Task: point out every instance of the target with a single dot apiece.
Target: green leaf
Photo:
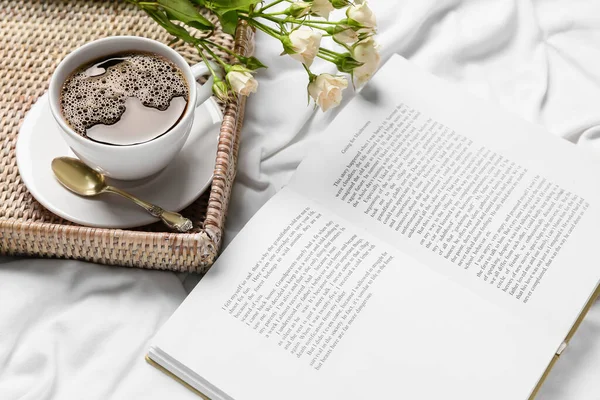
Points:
(169, 26)
(222, 6)
(229, 21)
(253, 63)
(186, 12)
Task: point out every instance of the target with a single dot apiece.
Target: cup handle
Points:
(203, 92)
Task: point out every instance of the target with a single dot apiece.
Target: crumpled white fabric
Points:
(71, 330)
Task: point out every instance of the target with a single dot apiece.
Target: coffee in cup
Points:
(124, 140)
(125, 98)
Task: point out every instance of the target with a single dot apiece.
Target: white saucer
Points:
(174, 188)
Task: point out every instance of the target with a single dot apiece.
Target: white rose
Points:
(242, 82)
(305, 43)
(348, 35)
(322, 8)
(362, 14)
(365, 52)
(326, 90)
(299, 9)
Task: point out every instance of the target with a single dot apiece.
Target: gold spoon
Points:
(84, 181)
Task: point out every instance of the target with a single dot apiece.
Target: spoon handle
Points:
(173, 220)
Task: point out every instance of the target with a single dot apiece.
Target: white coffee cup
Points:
(135, 161)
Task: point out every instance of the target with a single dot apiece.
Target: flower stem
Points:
(273, 14)
(316, 21)
(309, 72)
(328, 52)
(212, 71)
(342, 44)
(222, 48)
(268, 30)
(270, 5)
(308, 23)
(311, 23)
(214, 55)
(326, 57)
(268, 17)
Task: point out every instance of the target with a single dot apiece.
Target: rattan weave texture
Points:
(34, 36)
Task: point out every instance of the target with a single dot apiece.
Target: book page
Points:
(430, 247)
(497, 204)
(304, 304)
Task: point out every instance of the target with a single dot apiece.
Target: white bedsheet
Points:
(71, 330)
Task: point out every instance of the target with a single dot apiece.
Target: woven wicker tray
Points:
(34, 36)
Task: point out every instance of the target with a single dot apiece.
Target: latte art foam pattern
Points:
(93, 95)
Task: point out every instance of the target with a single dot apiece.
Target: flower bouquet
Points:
(299, 26)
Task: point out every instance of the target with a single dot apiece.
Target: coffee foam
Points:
(94, 95)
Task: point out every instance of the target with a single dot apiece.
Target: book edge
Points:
(171, 367)
(595, 296)
(175, 377)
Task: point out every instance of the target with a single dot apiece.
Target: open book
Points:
(430, 247)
